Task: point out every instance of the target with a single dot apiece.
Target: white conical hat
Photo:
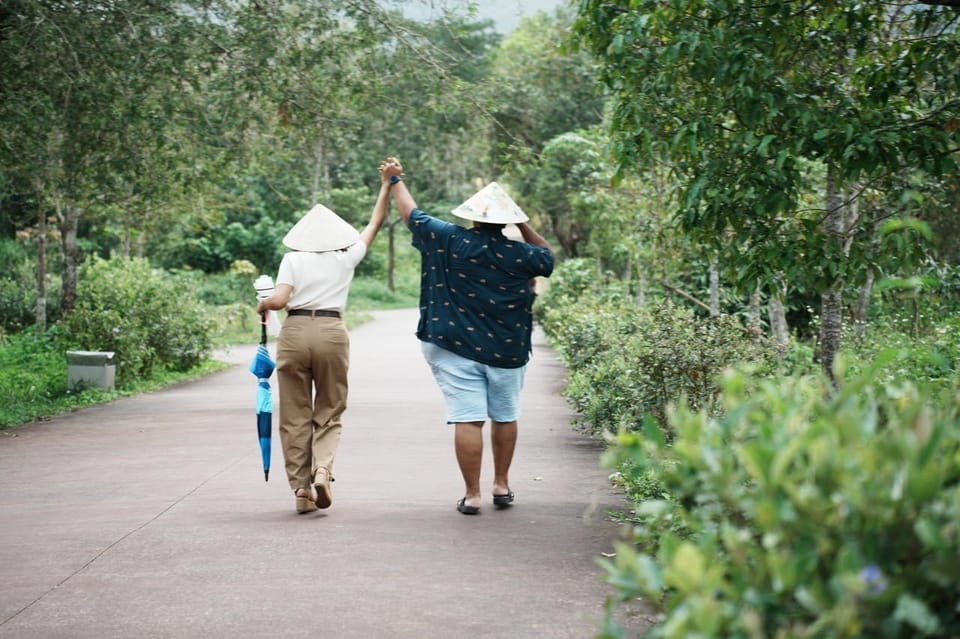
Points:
(491, 204)
(321, 230)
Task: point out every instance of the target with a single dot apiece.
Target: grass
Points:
(33, 366)
(373, 294)
(33, 380)
(239, 324)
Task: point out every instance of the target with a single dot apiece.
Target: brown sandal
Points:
(306, 503)
(321, 484)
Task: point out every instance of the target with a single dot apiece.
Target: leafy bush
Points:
(213, 246)
(33, 378)
(146, 316)
(233, 286)
(626, 362)
(18, 288)
(932, 356)
(33, 374)
(795, 513)
(654, 357)
(18, 303)
(571, 280)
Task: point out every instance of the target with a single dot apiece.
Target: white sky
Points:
(505, 13)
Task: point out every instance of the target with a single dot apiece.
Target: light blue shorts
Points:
(473, 391)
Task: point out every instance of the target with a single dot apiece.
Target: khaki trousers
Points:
(313, 354)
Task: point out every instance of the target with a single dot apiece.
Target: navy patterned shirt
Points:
(476, 297)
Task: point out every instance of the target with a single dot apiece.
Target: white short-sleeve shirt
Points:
(320, 280)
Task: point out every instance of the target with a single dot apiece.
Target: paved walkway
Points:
(149, 517)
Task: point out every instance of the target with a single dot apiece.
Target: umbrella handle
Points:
(263, 327)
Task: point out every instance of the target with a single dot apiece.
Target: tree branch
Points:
(690, 298)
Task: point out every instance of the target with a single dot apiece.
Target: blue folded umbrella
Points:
(262, 367)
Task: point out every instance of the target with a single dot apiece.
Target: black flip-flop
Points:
(503, 500)
(465, 509)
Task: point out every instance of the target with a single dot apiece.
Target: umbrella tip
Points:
(266, 475)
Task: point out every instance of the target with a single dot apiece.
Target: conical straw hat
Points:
(321, 230)
(491, 204)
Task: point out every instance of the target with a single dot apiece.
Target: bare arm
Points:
(277, 301)
(378, 215)
(532, 237)
(401, 196)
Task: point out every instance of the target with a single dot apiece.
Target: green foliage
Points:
(753, 105)
(372, 293)
(18, 288)
(212, 246)
(542, 89)
(932, 357)
(627, 362)
(33, 375)
(233, 286)
(33, 378)
(800, 513)
(559, 184)
(146, 316)
(571, 280)
(432, 109)
(716, 84)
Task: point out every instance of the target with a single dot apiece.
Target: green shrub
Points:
(146, 316)
(586, 331)
(626, 362)
(233, 286)
(213, 246)
(18, 302)
(33, 374)
(570, 281)
(798, 514)
(33, 378)
(18, 287)
(931, 357)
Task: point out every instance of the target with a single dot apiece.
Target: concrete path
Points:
(149, 517)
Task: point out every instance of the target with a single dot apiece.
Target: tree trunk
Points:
(831, 301)
(714, 288)
(321, 172)
(141, 244)
(126, 242)
(69, 219)
(753, 313)
(778, 323)
(567, 241)
(915, 325)
(628, 276)
(641, 296)
(863, 305)
(42, 270)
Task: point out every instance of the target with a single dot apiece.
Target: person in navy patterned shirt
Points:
(476, 302)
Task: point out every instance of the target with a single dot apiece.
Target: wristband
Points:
(394, 179)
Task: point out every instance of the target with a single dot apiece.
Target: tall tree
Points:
(88, 92)
(734, 95)
(542, 88)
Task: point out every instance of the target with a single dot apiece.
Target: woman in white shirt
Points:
(313, 350)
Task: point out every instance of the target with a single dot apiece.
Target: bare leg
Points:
(468, 441)
(503, 437)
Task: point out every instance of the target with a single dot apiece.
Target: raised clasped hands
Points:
(390, 167)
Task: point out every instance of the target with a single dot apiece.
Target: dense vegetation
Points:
(754, 205)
